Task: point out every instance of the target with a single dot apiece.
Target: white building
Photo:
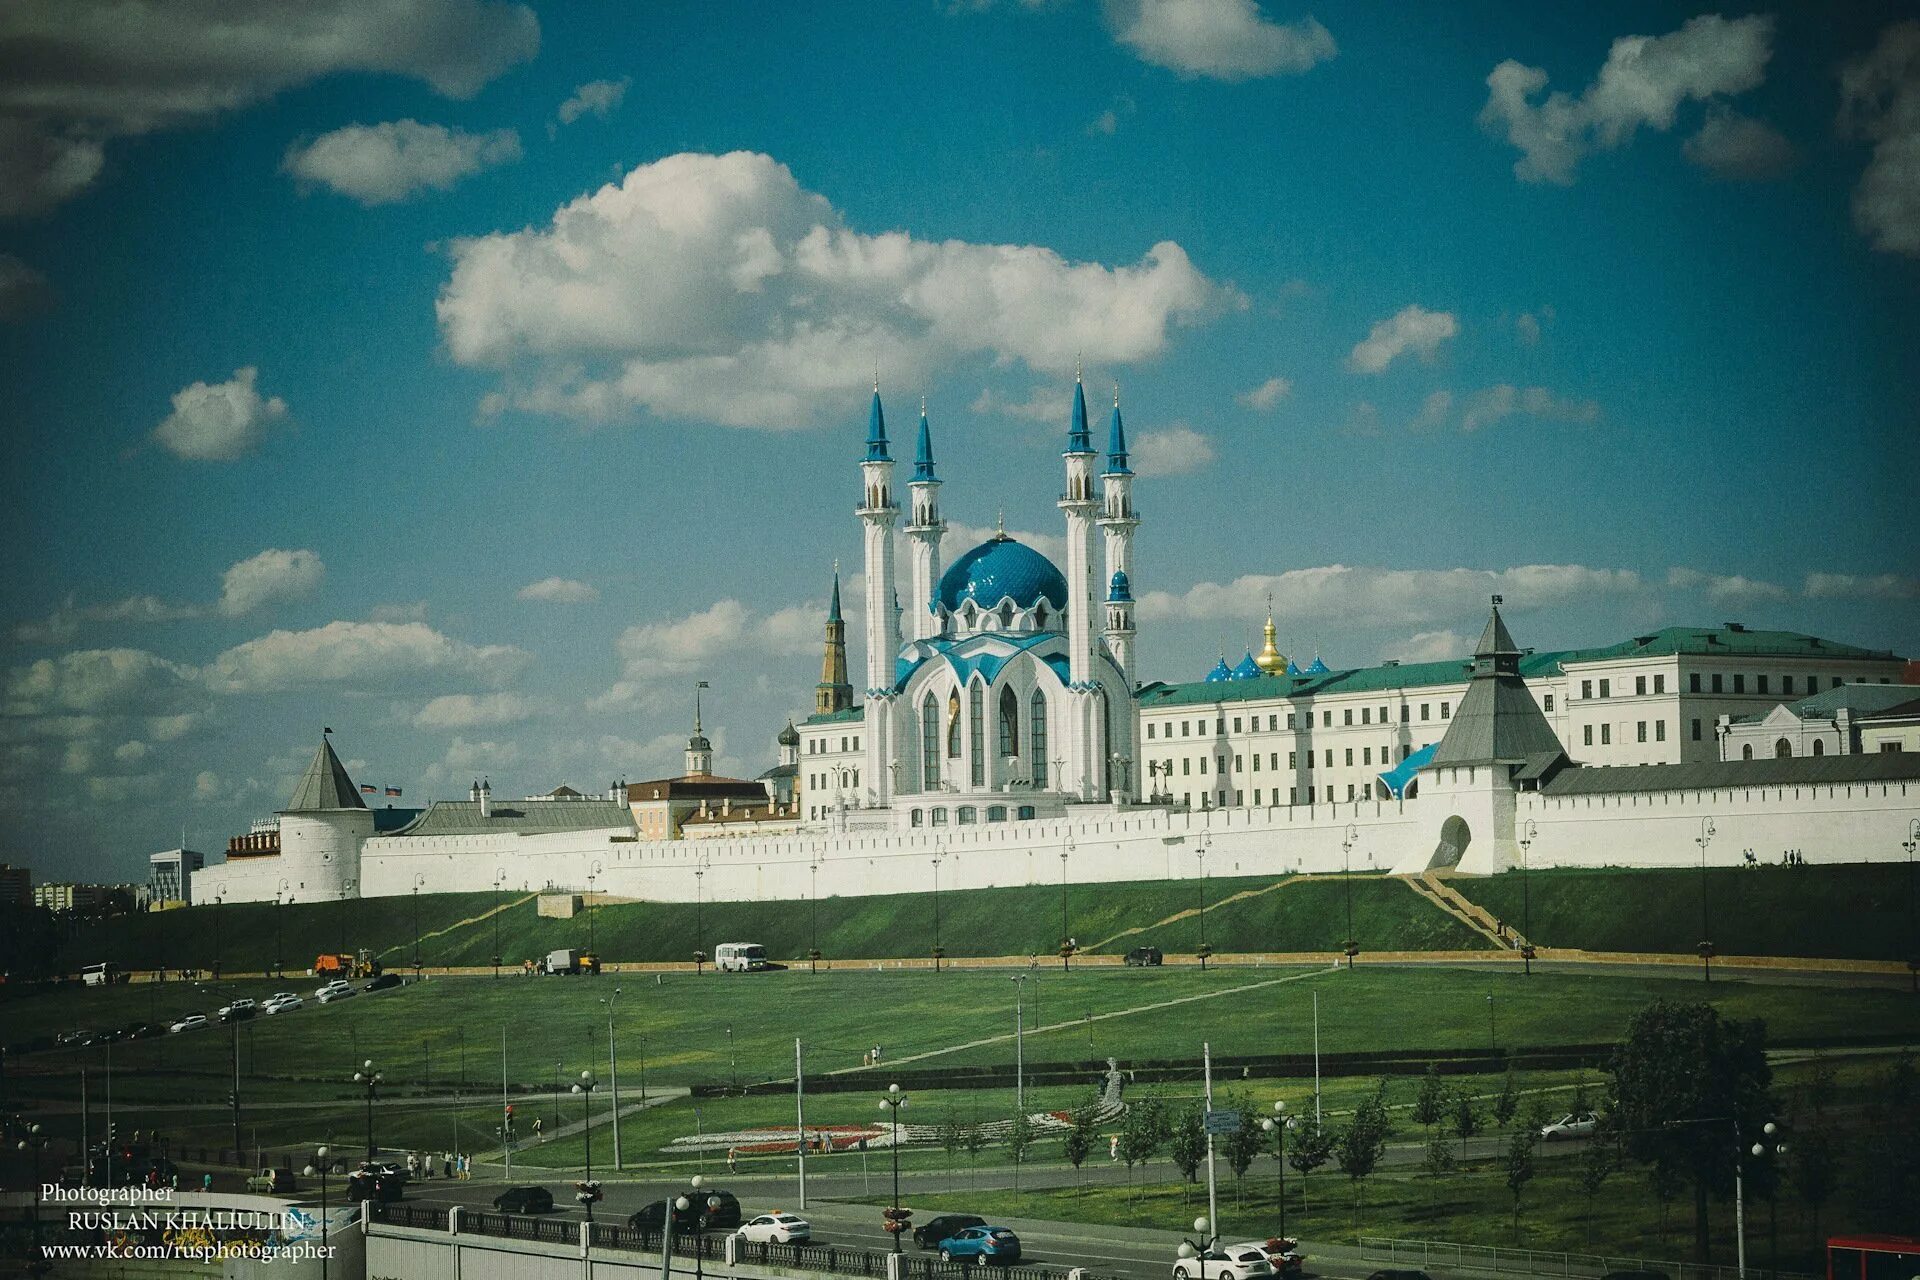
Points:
(170, 876)
(1843, 720)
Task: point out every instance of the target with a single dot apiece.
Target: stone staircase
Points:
(1431, 886)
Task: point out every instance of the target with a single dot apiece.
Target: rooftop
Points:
(1860, 699)
(325, 785)
(528, 817)
(1724, 775)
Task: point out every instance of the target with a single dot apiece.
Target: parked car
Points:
(930, 1233)
(281, 1002)
(524, 1200)
(653, 1217)
(716, 1216)
(383, 982)
(338, 989)
(383, 1182)
(68, 1039)
(189, 1023)
(777, 1228)
(1145, 957)
(140, 1031)
(1575, 1124)
(228, 1012)
(1284, 1256)
(1226, 1262)
(982, 1244)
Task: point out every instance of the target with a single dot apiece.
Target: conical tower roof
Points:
(325, 785)
(1498, 721)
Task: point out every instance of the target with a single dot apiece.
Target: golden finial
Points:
(1000, 524)
(1270, 659)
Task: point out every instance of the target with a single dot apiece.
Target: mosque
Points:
(1002, 729)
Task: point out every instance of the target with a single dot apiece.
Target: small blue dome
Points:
(1316, 667)
(1247, 669)
(1001, 569)
(1119, 590)
(1221, 671)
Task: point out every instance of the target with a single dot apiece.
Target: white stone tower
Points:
(1085, 739)
(926, 529)
(321, 832)
(699, 749)
(877, 513)
(1117, 523)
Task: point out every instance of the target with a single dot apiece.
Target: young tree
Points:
(1187, 1146)
(1466, 1120)
(951, 1141)
(1508, 1103)
(1078, 1144)
(1596, 1165)
(1437, 1162)
(973, 1140)
(1242, 1145)
(1430, 1104)
(1519, 1168)
(1309, 1148)
(1019, 1141)
(1582, 1099)
(1360, 1146)
(1135, 1140)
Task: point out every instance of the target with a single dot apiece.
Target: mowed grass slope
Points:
(1856, 911)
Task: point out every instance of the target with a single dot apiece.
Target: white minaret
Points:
(1117, 522)
(1085, 739)
(925, 528)
(877, 514)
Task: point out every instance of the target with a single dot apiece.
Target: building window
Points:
(1786, 684)
(1659, 684)
(1256, 796)
(1366, 791)
(1184, 726)
(1220, 725)
(1293, 760)
(967, 816)
(1236, 724)
(939, 817)
(1423, 711)
(1639, 685)
(1383, 715)
(1717, 683)
(1329, 757)
(1326, 719)
(1009, 723)
(1349, 792)
(1037, 733)
(1223, 799)
(1273, 759)
(1606, 735)
(1366, 715)
(1837, 682)
(919, 817)
(996, 813)
(1606, 688)
(1291, 724)
(1888, 748)
(1238, 798)
(1406, 714)
(1746, 752)
(1659, 730)
(1346, 716)
(1329, 795)
(1349, 757)
(1024, 813)
(1549, 702)
(953, 725)
(1739, 683)
(1586, 689)
(1760, 683)
(1782, 749)
(1696, 731)
(1586, 735)
(1203, 766)
(1366, 755)
(1273, 723)
(929, 743)
(1819, 747)
(1693, 682)
(977, 732)
(1641, 731)
(1150, 728)
(1256, 762)
(1186, 766)
(1446, 709)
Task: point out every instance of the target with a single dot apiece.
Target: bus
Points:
(739, 957)
(97, 975)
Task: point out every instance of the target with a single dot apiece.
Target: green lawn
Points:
(1857, 911)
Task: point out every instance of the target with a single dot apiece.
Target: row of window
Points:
(1366, 754)
(1715, 682)
(824, 746)
(1299, 720)
(1295, 795)
(967, 815)
(822, 781)
(940, 740)
(1640, 732)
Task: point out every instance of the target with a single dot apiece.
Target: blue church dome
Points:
(1247, 669)
(1221, 671)
(999, 569)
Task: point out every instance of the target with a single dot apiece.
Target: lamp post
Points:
(369, 1079)
(346, 892)
(1347, 839)
(284, 888)
(1125, 765)
(499, 879)
(892, 1103)
(1019, 1040)
(320, 1157)
(683, 1204)
(813, 906)
(1066, 930)
(1913, 925)
(1192, 1248)
(1277, 1125)
(613, 1072)
(418, 881)
(938, 951)
(592, 876)
(733, 1062)
(589, 1189)
(699, 918)
(1528, 834)
(1206, 839)
(35, 1141)
(219, 896)
(1493, 1033)
(1767, 1147)
(1704, 839)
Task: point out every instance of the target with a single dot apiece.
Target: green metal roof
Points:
(1861, 699)
(528, 817)
(1724, 775)
(837, 717)
(1665, 643)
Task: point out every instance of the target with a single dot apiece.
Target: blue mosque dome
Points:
(1001, 569)
(1119, 590)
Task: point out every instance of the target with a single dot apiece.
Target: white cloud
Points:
(716, 288)
(75, 76)
(397, 160)
(685, 648)
(1643, 82)
(1433, 646)
(268, 578)
(1849, 586)
(1220, 39)
(1362, 596)
(1434, 410)
(103, 682)
(1412, 328)
(1739, 148)
(1527, 327)
(1044, 402)
(1723, 588)
(1493, 404)
(1265, 396)
(558, 590)
(1880, 100)
(1177, 451)
(131, 752)
(1106, 122)
(359, 654)
(206, 786)
(471, 711)
(218, 422)
(598, 98)
(66, 619)
(962, 537)
(23, 290)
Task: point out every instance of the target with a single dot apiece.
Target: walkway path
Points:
(1430, 886)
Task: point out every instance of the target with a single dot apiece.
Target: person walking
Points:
(733, 1160)
(539, 1130)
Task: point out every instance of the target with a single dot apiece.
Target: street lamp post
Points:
(733, 1062)
(1278, 1125)
(938, 951)
(499, 879)
(1206, 838)
(1347, 840)
(683, 1204)
(1913, 924)
(1704, 839)
(285, 888)
(219, 896)
(346, 892)
(813, 906)
(1768, 1147)
(418, 881)
(320, 1157)
(1019, 1041)
(592, 877)
(892, 1103)
(589, 1190)
(613, 1072)
(1192, 1248)
(1528, 834)
(369, 1079)
(1066, 929)
(36, 1142)
(699, 919)
(1493, 1032)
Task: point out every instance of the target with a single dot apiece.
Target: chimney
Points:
(485, 796)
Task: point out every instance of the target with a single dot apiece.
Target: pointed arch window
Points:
(929, 743)
(1006, 615)
(1037, 733)
(977, 733)
(1009, 723)
(1040, 615)
(953, 725)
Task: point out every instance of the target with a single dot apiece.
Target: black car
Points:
(706, 1211)
(524, 1200)
(930, 1233)
(382, 1182)
(1143, 957)
(383, 982)
(237, 1013)
(653, 1217)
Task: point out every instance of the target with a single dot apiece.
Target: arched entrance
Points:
(1782, 749)
(1455, 836)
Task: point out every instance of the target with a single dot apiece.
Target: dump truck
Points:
(361, 964)
(570, 960)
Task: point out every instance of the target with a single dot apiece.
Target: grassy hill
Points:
(1856, 911)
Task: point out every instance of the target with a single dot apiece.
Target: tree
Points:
(1508, 1102)
(1078, 1144)
(1361, 1144)
(1187, 1147)
(973, 1139)
(1242, 1146)
(1135, 1141)
(951, 1141)
(1519, 1168)
(1888, 1189)
(1019, 1141)
(1437, 1162)
(1596, 1165)
(1466, 1120)
(1582, 1099)
(1307, 1150)
(1430, 1104)
(1680, 1080)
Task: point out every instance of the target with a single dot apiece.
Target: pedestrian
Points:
(733, 1160)
(1113, 1146)
(206, 1182)
(876, 1055)
(539, 1130)
(413, 1165)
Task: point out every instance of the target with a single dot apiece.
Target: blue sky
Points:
(1407, 304)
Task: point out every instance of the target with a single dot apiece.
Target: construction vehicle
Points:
(570, 960)
(361, 964)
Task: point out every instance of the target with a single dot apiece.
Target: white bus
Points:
(97, 975)
(739, 957)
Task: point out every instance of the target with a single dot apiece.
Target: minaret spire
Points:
(834, 692)
(924, 531)
(878, 512)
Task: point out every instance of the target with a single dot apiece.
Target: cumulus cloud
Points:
(206, 786)
(67, 618)
(1433, 646)
(23, 290)
(1412, 328)
(1176, 451)
(1739, 148)
(1434, 410)
(598, 98)
(559, 591)
(268, 578)
(963, 537)
(1726, 588)
(1219, 39)
(1364, 596)
(684, 648)
(1643, 82)
(1044, 402)
(471, 711)
(1493, 404)
(1267, 395)
(1849, 586)
(1880, 100)
(390, 162)
(716, 288)
(359, 654)
(102, 682)
(221, 421)
(74, 77)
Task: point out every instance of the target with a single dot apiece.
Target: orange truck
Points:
(361, 965)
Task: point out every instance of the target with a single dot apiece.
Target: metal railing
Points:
(423, 1217)
(1450, 1256)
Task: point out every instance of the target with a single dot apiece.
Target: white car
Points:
(1575, 1124)
(227, 1011)
(280, 1002)
(1227, 1262)
(777, 1228)
(338, 989)
(189, 1022)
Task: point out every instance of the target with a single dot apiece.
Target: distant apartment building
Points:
(170, 876)
(16, 885)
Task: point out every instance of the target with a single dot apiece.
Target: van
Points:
(739, 957)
